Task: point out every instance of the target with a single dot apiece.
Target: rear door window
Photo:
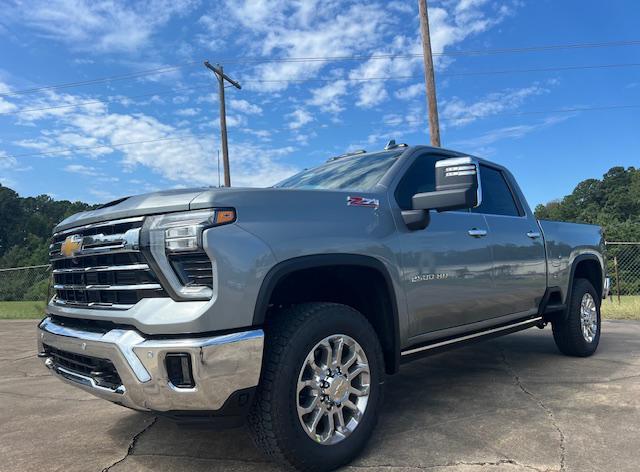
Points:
(497, 198)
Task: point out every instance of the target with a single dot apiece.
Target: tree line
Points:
(26, 224)
(613, 202)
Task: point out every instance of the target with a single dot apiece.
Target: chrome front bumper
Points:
(221, 365)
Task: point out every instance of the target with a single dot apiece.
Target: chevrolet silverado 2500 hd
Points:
(291, 304)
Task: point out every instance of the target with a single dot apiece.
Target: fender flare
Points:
(288, 266)
(574, 265)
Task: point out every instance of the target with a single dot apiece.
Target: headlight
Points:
(183, 231)
(176, 247)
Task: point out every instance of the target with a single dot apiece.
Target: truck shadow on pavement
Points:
(504, 402)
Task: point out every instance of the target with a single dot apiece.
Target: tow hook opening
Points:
(179, 370)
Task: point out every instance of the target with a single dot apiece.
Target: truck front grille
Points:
(101, 266)
(102, 371)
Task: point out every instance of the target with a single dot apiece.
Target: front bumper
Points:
(221, 365)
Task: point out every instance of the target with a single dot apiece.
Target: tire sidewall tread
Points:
(567, 332)
(273, 421)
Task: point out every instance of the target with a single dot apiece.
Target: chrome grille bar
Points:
(96, 305)
(102, 269)
(109, 287)
(100, 266)
(80, 229)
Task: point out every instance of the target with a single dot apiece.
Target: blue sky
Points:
(293, 113)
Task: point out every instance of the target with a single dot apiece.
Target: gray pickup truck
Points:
(287, 306)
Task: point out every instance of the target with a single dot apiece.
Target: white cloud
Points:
(105, 26)
(6, 182)
(102, 195)
(184, 161)
(457, 112)
(7, 162)
(244, 106)
(402, 7)
(284, 29)
(255, 166)
(509, 132)
(81, 169)
(448, 27)
(6, 106)
(411, 92)
(328, 97)
(299, 118)
(180, 100)
(188, 112)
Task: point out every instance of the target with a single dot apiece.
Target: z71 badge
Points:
(363, 202)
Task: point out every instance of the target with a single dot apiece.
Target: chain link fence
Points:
(29, 283)
(623, 266)
(32, 283)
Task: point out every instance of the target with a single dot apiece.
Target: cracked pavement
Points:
(507, 405)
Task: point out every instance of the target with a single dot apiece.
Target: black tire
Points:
(567, 331)
(273, 421)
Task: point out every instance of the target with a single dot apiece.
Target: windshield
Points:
(360, 172)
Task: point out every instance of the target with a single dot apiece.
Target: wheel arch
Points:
(585, 266)
(360, 271)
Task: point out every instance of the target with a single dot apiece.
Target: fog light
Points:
(179, 370)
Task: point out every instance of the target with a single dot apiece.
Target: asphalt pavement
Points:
(511, 404)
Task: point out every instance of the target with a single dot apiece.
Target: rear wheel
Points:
(321, 386)
(579, 333)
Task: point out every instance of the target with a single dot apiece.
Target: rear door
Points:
(519, 266)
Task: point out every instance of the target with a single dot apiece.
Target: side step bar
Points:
(453, 342)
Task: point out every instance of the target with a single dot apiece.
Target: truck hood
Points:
(198, 198)
(137, 205)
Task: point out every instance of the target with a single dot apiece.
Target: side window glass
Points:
(421, 177)
(497, 198)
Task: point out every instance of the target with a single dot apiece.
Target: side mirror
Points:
(457, 186)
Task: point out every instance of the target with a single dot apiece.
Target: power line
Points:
(116, 98)
(454, 74)
(386, 123)
(262, 60)
(119, 98)
(471, 52)
(133, 75)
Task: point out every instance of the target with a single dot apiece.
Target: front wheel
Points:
(321, 386)
(578, 334)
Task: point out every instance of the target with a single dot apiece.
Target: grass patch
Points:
(627, 309)
(31, 310)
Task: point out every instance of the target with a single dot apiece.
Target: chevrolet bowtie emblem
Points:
(71, 245)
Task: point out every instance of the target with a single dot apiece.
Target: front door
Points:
(447, 267)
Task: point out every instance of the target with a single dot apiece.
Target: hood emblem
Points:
(71, 245)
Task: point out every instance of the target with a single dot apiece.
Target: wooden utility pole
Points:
(221, 76)
(432, 104)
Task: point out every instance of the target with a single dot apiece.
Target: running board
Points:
(454, 342)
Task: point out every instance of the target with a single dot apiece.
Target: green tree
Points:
(612, 202)
(26, 225)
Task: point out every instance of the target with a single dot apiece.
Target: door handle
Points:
(533, 234)
(477, 233)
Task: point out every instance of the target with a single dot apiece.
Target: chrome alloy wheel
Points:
(333, 389)
(588, 317)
